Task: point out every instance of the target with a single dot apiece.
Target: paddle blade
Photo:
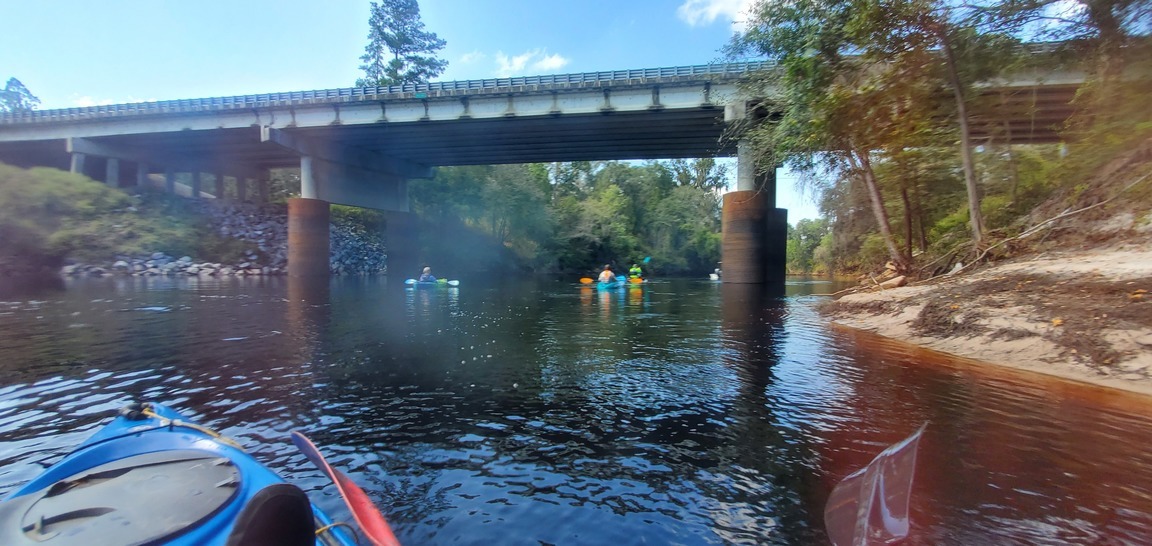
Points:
(410, 281)
(363, 511)
(647, 259)
(453, 283)
(870, 506)
(586, 280)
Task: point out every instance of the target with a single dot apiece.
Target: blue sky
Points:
(81, 53)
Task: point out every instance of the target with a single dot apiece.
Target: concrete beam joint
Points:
(354, 157)
(307, 178)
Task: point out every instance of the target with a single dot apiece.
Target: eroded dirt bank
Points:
(1082, 314)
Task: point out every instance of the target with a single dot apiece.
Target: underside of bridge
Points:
(361, 150)
(615, 136)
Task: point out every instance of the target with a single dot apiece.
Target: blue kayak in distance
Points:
(413, 283)
(151, 477)
(620, 282)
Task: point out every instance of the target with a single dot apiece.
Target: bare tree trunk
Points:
(923, 231)
(907, 220)
(974, 214)
(863, 167)
(1015, 171)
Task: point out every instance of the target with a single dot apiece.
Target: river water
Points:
(541, 412)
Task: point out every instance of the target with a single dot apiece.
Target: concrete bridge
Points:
(360, 146)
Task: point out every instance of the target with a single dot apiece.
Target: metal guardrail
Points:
(373, 93)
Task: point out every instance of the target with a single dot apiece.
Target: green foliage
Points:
(873, 253)
(48, 215)
(950, 229)
(573, 216)
(803, 240)
(872, 97)
(395, 30)
(359, 220)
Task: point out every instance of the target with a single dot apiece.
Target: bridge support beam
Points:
(112, 172)
(77, 165)
(142, 174)
(754, 232)
(753, 240)
(308, 245)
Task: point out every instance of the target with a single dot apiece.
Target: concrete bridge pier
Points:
(754, 232)
(308, 237)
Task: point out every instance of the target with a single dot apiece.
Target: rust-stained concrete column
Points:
(753, 240)
(755, 233)
(307, 237)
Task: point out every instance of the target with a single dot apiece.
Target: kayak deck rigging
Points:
(150, 477)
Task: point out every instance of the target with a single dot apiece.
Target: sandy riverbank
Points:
(1084, 315)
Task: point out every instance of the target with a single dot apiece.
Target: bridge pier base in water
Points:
(753, 240)
(307, 237)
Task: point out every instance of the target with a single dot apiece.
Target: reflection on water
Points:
(536, 412)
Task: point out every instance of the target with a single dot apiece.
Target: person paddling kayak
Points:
(607, 276)
(635, 272)
(426, 276)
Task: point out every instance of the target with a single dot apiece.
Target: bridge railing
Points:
(373, 93)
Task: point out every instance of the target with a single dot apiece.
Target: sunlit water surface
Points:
(682, 412)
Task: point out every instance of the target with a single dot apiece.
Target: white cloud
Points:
(550, 62)
(535, 60)
(85, 101)
(472, 57)
(705, 12)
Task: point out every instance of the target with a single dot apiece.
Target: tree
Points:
(802, 243)
(703, 173)
(17, 98)
(399, 50)
(835, 105)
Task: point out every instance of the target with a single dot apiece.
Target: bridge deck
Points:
(659, 113)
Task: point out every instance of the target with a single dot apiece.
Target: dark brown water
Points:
(684, 412)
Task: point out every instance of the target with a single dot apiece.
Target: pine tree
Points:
(399, 50)
(17, 98)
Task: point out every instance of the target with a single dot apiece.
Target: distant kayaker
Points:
(607, 275)
(426, 276)
(635, 272)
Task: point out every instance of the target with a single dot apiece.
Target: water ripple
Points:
(682, 412)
